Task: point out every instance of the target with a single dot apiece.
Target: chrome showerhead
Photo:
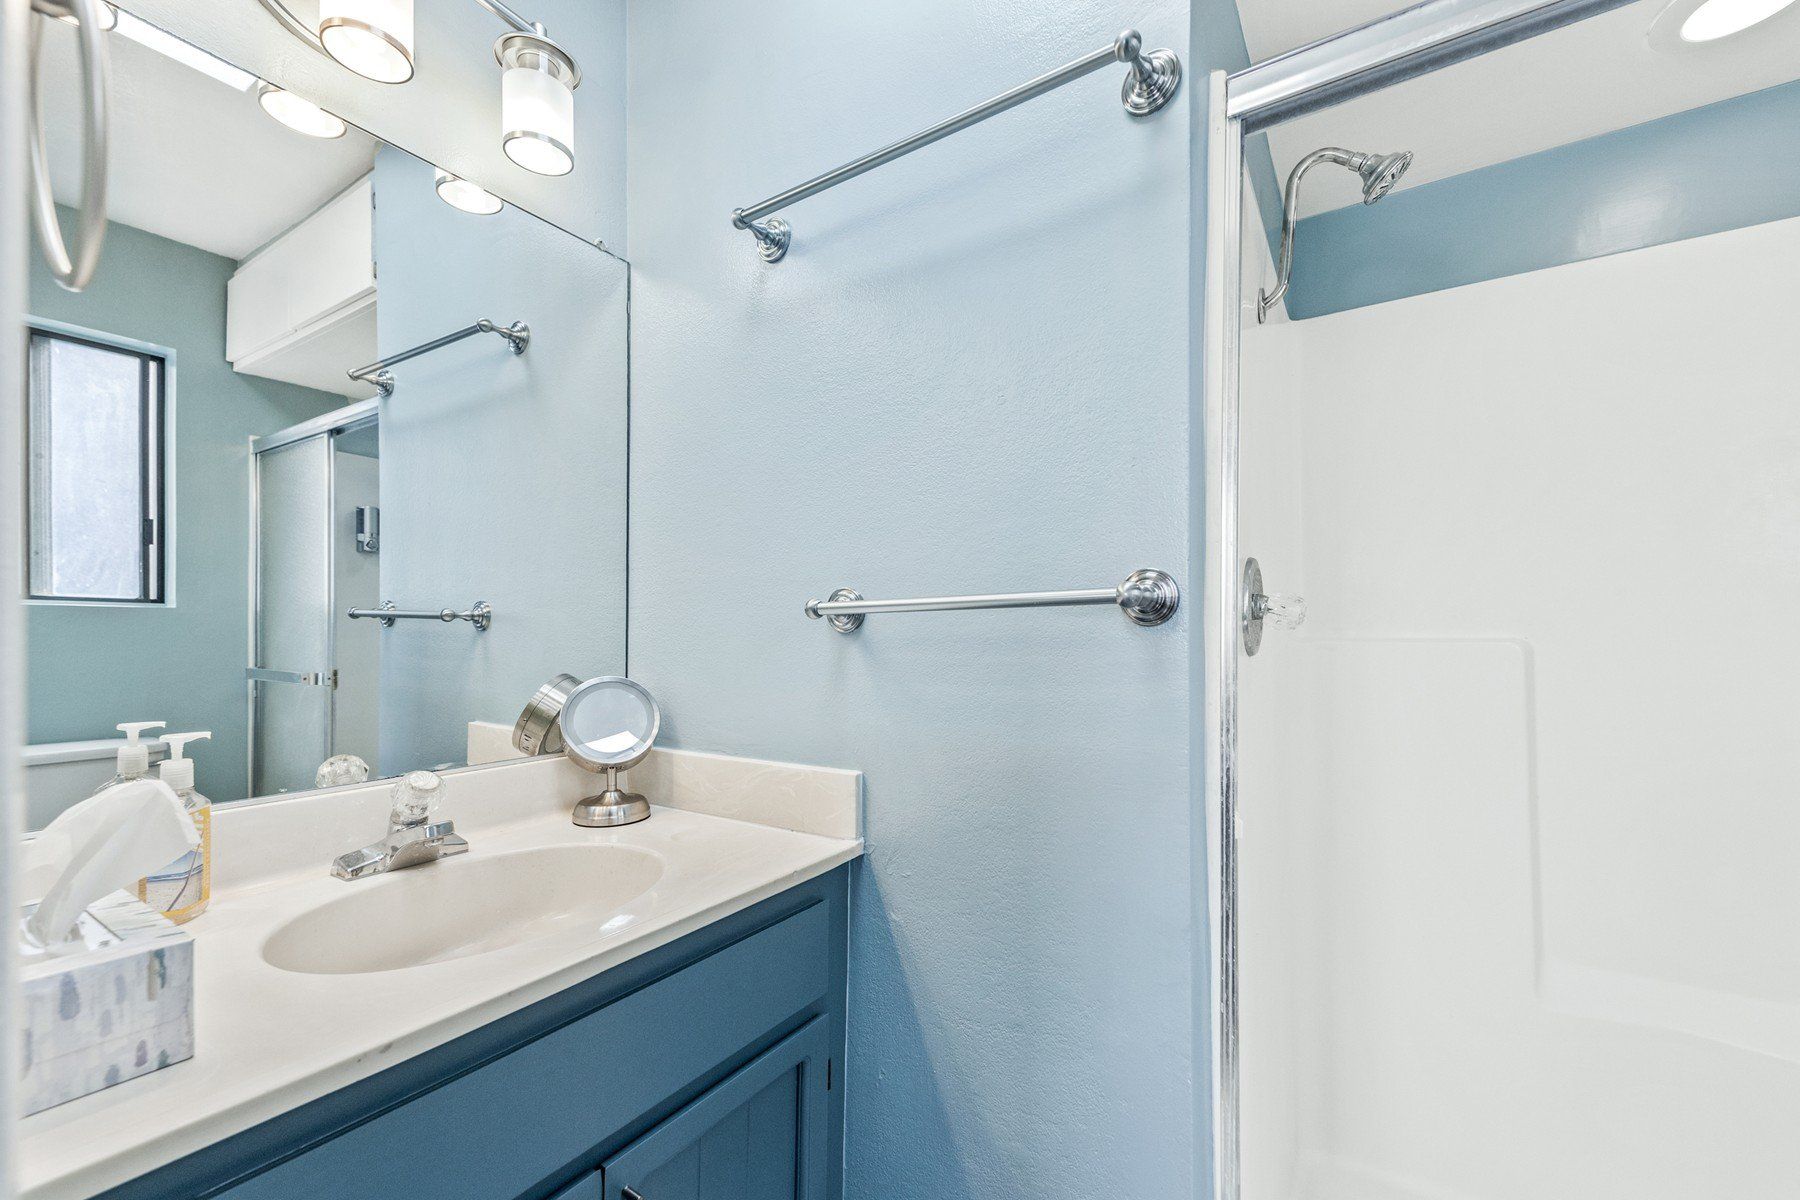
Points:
(1380, 172)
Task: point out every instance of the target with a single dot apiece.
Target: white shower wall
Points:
(1521, 847)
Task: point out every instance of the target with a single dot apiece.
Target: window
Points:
(94, 489)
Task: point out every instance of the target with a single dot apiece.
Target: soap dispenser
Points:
(181, 890)
(134, 755)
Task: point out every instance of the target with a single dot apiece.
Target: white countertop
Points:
(269, 1040)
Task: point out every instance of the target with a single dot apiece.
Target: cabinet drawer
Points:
(758, 1135)
(530, 1117)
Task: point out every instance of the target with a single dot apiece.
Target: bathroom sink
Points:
(464, 906)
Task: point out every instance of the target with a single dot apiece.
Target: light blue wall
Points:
(502, 479)
(970, 374)
(1709, 169)
(90, 668)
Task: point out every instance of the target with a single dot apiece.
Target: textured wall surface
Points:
(502, 478)
(93, 667)
(970, 374)
(1707, 170)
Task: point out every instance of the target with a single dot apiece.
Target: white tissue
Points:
(105, 843)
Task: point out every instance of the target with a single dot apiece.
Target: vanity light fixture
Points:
(538, 78)
(299, 115)
(537, 102)
(460, 194)
(374, 38)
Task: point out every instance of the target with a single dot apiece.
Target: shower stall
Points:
(313, 673)
(1501, 682)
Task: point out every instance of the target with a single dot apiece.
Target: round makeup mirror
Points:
(609, 724)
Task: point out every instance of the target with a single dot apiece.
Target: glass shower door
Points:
(292, 677)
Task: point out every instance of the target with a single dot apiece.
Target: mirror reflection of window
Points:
(94, 471)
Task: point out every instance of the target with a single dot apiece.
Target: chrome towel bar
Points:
(480, 614)
(517, 335)
(1147, 597)
(1151, 82)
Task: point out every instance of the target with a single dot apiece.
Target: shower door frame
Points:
(327, 425)
(1412, 42)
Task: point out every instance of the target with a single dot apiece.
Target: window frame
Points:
(157, 567)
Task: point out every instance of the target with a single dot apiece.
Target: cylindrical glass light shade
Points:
(301, 116)
(461, 194)
(537, 105)
(374, 38)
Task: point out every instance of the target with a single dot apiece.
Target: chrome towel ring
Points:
(73, 268)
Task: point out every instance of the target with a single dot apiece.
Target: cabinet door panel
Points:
(758, 1135)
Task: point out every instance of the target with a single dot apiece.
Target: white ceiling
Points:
(191, 159)
(1585, 79)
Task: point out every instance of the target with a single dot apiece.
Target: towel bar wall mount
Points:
(480, 614)
(1151, 82)
(1147, 597)
(517, 335)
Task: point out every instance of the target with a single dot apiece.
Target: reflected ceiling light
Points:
(460, 194)
(1716, 19)
(537, 102)
(185, 53)
(374, 38)
(1684, 24)
(299, 115)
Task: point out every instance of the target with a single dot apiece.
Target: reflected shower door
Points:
(291, 672)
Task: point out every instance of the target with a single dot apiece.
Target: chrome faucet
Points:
(413, 839)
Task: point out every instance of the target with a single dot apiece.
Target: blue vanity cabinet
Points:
(704, 1068)
(759, 1135)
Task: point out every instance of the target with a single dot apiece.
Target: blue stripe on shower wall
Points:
(1707, 170)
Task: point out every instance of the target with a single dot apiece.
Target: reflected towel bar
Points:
(480, 614)
(1153, 79)
(1147, 597)
(517, 335)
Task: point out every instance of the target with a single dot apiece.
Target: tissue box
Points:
(121, 1007)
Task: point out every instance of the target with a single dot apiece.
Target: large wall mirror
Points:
(212, 489)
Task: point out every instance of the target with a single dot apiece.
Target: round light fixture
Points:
(1687, 23)
(1716, 19)
(301, 116)
(374, 38)
(537, 103)
(459, 193)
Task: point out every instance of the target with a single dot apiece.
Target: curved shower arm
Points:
(1290, 215)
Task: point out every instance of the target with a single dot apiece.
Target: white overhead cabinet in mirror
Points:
(302, 309)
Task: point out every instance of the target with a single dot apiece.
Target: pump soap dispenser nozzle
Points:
(178, 771)
(182, 890)
(134, 755)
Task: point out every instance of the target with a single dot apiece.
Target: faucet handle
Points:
(417, 795)
(1281, 610)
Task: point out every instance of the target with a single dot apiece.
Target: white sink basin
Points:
(467, 905)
